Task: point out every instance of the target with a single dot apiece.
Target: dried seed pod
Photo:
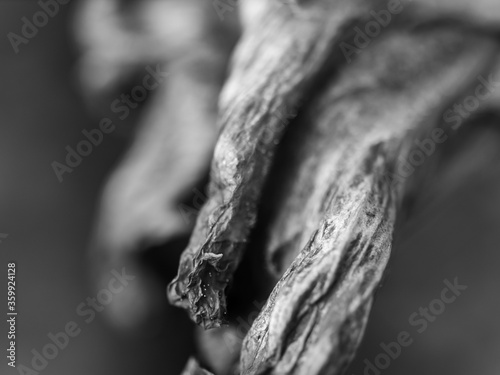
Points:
(339, 201)
(276, 62)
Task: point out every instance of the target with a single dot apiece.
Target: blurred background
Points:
(48, 225)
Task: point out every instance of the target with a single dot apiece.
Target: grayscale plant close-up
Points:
(256, 187)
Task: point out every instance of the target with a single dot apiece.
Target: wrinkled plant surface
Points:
(308, 137)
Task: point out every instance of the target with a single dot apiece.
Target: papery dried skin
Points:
(276, 61)
(338, 207)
